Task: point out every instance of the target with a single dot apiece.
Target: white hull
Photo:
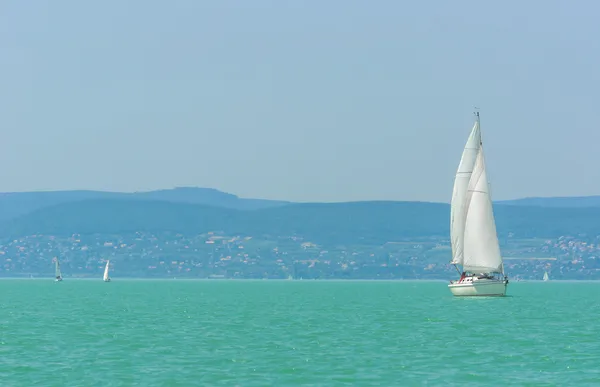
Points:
(107, 280)
(478, 287)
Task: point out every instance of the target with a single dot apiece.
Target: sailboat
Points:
(546, 278)
(106, 278)
(57, 273)
(473, 234)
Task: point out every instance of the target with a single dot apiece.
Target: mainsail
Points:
(481, 247)
(105, 277)
(459, 194)
(57, 273)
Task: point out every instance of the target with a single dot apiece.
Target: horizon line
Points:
(275, 200)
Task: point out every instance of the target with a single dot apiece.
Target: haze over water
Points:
(257, 333)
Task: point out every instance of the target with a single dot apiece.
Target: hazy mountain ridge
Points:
(198, 210)
(15, 204)
(568, 202)
(353, 222)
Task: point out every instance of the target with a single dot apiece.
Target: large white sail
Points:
(105, 277)
(481, 247)
(459, 193)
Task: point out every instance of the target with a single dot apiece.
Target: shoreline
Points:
(512, 282)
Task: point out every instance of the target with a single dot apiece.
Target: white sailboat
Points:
(106, 278)
(473, 234)
(546, 278)
(57, 272)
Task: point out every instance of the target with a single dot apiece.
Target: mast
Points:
(460, 194)
(478, 120)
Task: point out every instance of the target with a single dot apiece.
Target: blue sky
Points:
(309, 101)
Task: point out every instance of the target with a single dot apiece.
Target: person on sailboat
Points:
(462, 276)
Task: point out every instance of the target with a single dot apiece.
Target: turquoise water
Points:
(280, 333)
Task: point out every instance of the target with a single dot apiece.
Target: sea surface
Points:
(291, 333)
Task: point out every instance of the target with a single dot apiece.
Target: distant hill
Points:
(208, 197)
(15, 204)
(357, 222)
(201, 209)
(574, 201)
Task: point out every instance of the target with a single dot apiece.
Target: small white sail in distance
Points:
(57, 272)
(481, 247)
(106, 278)
(546, 276)
(459, 193)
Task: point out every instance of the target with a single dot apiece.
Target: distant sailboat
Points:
(473, 234)
(106, 278)
(546, 276)
(57, 272)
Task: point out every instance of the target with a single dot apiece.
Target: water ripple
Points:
(313, 333)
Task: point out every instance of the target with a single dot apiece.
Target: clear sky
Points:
(299, 100)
